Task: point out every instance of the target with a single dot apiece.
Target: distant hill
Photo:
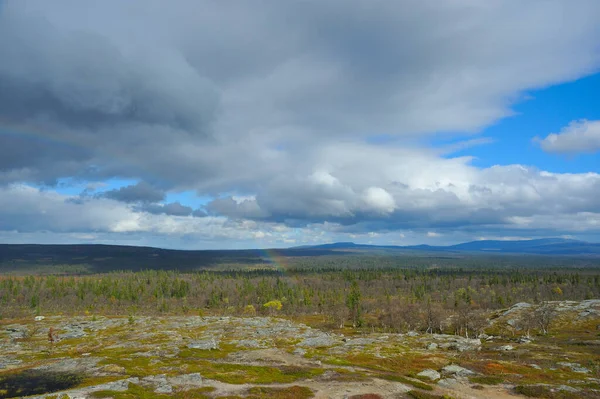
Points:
(100, 258)
(81, 258)
(544, 246)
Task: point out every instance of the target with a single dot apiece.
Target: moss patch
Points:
(242, 374)
(139, 392)
(294, 392)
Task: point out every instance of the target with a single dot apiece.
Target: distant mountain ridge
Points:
(103, 258)
(543, 246)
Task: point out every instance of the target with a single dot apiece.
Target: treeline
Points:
(448, 300)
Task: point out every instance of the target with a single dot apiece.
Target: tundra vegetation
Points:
(382, 325)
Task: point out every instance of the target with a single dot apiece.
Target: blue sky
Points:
(544, 111)
(406, 123)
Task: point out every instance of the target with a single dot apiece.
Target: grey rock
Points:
(516, 307)
(412, 334)
(72, 331)
(431, 374)
(299, 352)
(84, 365)
(317, 341)
(567, 388)
(462, 344)
(187, 380)
(249, 343)
(158, 382)
(6, 361)
(448, 382)
(575, 367)
(535, 366)
(210, 343)
(119, 386)
(456, 370)
(432, 346)
(16, 332)
(588, 313)
(360, 341)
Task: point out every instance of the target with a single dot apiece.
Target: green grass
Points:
(426, 395)
(242, 374)
(486, 380)
(408, 381)
(540, 391)
(294, 392)
(139, 392)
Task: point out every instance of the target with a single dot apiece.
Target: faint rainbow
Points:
(274, 257)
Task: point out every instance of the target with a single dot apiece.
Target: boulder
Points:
(186, 380)
(158, 382)
(317, 341)
(462, 344)
(299, 352)
(448, 382)
(456, 370)
(249, 343)
(575, 367)
(210, 343)
(431, 374)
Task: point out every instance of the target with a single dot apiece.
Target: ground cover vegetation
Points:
(351, 325)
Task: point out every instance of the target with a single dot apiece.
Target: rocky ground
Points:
(260, 357)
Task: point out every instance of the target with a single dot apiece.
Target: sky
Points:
(258, 124)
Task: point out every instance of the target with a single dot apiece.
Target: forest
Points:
(434, 294)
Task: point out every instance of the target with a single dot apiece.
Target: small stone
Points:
(432, 346)
(39, 318)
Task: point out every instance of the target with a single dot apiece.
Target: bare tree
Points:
(544, 316)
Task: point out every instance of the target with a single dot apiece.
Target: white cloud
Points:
(578, 137)
(379, 200)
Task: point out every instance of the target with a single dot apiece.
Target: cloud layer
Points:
(273, 111)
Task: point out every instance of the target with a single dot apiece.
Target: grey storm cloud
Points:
(172, 208)
(276, 102)
(140, 192)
